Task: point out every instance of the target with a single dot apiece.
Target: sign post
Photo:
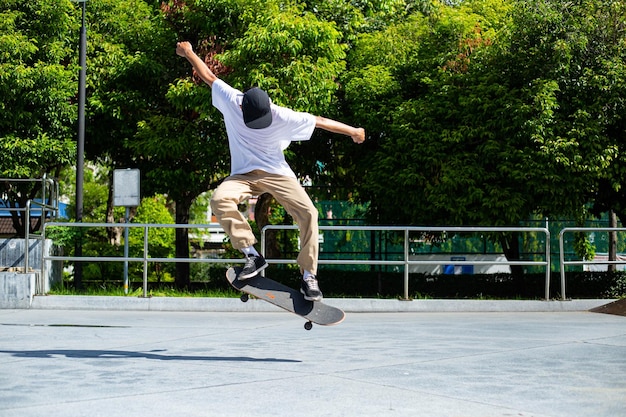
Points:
(126, 194)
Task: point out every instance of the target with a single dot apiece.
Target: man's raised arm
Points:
(185, 50)
(356, 133)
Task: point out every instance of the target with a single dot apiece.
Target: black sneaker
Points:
(254, 265)
(311, 289)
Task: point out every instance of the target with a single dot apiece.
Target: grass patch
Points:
(352, 284)
(115, 291)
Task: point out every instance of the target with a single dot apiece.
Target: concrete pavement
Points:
(108, 362)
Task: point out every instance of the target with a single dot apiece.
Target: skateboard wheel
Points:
(244, 297)
(308, 325)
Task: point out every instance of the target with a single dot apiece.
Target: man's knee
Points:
(303, 211)
(215, 204)
(221, 203)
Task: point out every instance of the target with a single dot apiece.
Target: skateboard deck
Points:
(286, 298)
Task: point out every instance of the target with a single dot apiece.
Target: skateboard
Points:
(286, 298)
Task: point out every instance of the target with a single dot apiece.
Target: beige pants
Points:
(287, 191)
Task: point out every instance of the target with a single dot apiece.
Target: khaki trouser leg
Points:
(294, 198)
(224, 204)
(287, 191)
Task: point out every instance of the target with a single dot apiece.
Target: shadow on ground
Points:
(120, 354)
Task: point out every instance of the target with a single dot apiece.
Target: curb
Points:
(350, 305)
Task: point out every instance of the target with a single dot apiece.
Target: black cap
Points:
(257, 113)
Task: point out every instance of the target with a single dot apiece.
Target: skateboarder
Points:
(258, 133)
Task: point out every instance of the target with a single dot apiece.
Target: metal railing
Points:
(49, 192)
(563, 262)
(49, 204)
(145, 259)
(406, 261)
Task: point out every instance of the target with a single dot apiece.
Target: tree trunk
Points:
(510, 246)
(114, 234)
(612, 241)
(261, 215)
(182, 279)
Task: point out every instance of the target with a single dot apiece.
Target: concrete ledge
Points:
(16, 289)
(378, 305)
(351, 305)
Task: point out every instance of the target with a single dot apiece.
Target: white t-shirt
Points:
(252, 149)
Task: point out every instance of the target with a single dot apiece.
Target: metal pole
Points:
(548, 263)
(81, 117)
(406, 265)
(27, 238)
(145, 261)
(44, 201)
(562, 263)
(126, 251)
(80, 161)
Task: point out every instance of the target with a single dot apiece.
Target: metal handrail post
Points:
(43, 196)
(562, 263)
(548, 264)
(27, 237)
(57, 191)
(43, 257)
(406, 264)
(145, 261)
(126, 216)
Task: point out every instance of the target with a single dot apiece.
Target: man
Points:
(258, 133)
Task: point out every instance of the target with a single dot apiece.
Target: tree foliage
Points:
(38, 88)
(427, 96)
(37, 85)
(492, 111)
(478, 112)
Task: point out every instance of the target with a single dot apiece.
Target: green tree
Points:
(577, 57)
(130, 65)
(282, 48)
(488, 117)
(414, 86)
(161, 241)
(38, 87)
(109, 241)
(449, 125)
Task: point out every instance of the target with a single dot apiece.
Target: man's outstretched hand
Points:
(359, 136)
(182, 48)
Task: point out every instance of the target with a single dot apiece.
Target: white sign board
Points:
(126, 187)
